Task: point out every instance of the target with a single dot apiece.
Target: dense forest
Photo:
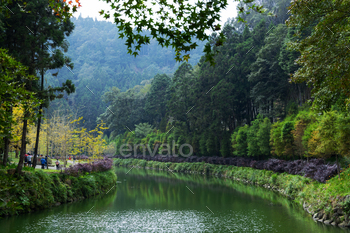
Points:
(246, 105)
(259, 86)
(262, 100)
(101, 61)
(205, 104)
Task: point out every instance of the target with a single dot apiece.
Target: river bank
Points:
(38, 190)
(328, 202)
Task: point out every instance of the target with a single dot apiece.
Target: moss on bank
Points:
(39, 190)
(329, 202)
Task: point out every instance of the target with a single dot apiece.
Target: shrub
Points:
(276, 142)
(239, 141)
(252, 140)
(96, 166)
(273, 179)
(263, 137)
(288, 139)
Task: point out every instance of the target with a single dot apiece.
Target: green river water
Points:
(150, 201)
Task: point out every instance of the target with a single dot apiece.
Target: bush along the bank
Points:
(96, 166)
(327, 202)
(39, 190)
(315, 168)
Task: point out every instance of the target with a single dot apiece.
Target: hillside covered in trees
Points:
(245, 105)
(237, 96)
(101, 61)
(205, 104)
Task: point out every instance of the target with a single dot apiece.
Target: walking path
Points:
(38, 166)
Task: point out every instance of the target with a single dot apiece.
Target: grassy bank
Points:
(38, 190)
(328, 202)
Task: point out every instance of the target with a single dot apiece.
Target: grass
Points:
(331, 193)
(48, 170)
(44, 188)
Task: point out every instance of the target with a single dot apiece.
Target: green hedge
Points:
(39, 190)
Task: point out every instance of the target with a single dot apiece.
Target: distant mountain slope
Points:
(101, 61)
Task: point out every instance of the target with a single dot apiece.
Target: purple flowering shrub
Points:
(96, 166)
(315, 169)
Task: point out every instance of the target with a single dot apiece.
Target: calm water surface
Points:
(149, 201)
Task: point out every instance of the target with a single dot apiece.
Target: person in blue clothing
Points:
(46, 162)
(43, 161)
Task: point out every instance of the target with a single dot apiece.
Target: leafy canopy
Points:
(171, 23)
(323, 41)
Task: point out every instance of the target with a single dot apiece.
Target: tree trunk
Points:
(338, 169)
(6, 150)
(47, 140)
(16, 151)
(7, 140)
(300, 99)
(23, 141)
(37, 136)
(39, 123)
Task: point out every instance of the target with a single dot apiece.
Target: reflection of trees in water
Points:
(156, 188)
(150, 188)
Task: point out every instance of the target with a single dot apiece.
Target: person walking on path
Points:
(47, 162)
(57, 164)
(43, 161)
(74, 159)
(29, 160)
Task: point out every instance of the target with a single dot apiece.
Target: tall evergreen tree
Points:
(157, 98)
(36, 39)
(270, 83)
